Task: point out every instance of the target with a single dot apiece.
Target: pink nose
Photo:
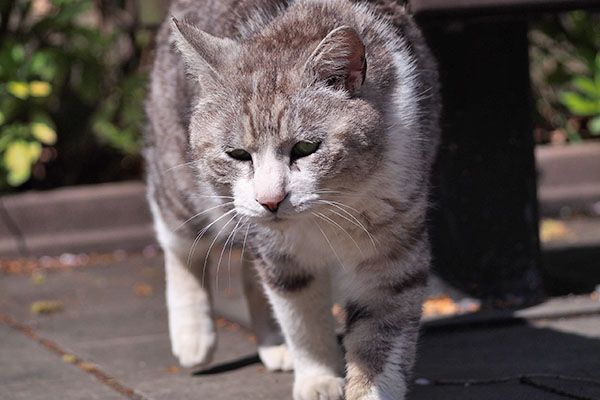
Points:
(271, 204)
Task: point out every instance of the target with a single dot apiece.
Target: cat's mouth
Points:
(275, 220)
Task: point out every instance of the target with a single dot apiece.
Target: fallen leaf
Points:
(552, 230)
(440, 305)
(172, 370)
(69, 358)
(46, 307)
(141, 289)
(88, 367)
(221, 323)
(38, 278)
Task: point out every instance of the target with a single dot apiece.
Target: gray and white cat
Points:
(306, 130)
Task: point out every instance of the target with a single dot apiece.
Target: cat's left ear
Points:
(339, 60)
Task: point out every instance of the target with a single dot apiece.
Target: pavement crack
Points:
(529, 379)
(87, 367)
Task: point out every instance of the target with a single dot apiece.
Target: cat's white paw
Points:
(193, 345)
(320, 387)
(276, 358)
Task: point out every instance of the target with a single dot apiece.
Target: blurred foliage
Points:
(565, 70)
(71, 92)
(586, 101)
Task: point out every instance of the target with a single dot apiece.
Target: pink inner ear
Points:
(341, 55)
(357, 68)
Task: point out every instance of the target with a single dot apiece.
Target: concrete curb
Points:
(102, 218)
(99, 218)
(569, 180)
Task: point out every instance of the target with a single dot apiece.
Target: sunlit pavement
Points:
(99, 331)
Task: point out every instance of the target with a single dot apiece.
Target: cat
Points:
(306, 131)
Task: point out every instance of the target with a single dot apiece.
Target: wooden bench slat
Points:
(458, 7)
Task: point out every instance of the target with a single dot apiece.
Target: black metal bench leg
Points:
(484, 220)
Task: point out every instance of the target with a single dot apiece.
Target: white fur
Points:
(191, 326)
(318, 387)
(305, 318)
(276, 358)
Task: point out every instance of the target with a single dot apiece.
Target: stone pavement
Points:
(110, 341)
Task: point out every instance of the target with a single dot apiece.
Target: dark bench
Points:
(484, 223)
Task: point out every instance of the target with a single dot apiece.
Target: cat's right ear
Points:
(204, 55)
(339, 60)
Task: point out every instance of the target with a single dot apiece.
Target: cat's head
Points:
(281, 127)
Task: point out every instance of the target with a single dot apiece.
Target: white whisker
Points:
(211, 246)
(331, 221)
(230, 250)
(329, 243)
(201, 213)
(201, 233)
(187, 164)
(223, 250)
(338, 206)
(210, 196)
(244, 243)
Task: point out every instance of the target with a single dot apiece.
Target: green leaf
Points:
(573, 136)
(587, 86)
(39, 89)
(579, 105)
(44, 133)
(2, 117)
(18, 89)
(594, 126)
(35, 151)
(18, 54)
(43, 64)
(6, 137)
(17, 160)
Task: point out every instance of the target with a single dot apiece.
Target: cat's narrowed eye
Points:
(303, 149)
(240, 154)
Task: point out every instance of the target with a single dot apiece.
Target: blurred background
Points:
(73, 75)
(73, 78)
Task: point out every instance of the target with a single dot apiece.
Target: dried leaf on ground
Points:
(142, 289)
(439, 305)
(69, 358)
(552, 230)
(46, 307)
(88, 367)
(38, 278)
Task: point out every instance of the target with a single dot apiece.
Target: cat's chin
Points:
(275, 222)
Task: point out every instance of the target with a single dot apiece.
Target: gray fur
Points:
(261, 76)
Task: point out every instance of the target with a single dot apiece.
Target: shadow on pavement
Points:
(229, 366)
(546, 359)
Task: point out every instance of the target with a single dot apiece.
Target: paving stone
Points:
(105, 322)
(29, 371)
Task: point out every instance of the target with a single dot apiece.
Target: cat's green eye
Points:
(303, 149)
(240, 154)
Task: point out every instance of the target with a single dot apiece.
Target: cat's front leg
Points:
(272, 350)
(382, 325)
(301, 301)
(191, 326)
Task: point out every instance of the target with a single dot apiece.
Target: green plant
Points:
(563, 50)
(586, 101)
(68, 90)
